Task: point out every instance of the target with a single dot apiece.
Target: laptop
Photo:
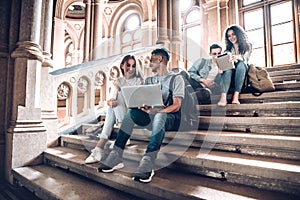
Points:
(223, 62)
(137, 96)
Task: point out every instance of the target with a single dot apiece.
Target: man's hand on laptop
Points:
(151, 110)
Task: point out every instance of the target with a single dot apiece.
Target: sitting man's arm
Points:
(194, 70)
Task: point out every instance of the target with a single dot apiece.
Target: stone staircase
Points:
(246, 151)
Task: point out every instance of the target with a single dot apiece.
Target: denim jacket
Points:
(201, 68)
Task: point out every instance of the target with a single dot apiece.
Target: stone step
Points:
(54, 183)
(246, 143)
(286, 78)
(256, 171)
(275, 109)
(264, 125)
(282, 68)
(287, 86)
(166, 184)
(277, 96)
(284, 72)
(275, 146)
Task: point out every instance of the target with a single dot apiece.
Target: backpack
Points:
(258, 81)
(187, 117)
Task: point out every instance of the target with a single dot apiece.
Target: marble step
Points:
(234, 167)
(292, 85)
(275, 146)
(274, 109)
(51, 183)
(168, 183)
(288, 126)
(277, 96)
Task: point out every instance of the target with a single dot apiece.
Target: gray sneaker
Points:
(144, 172)
(111, 163)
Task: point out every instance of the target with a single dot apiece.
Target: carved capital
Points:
(47, 62)
(28, 50)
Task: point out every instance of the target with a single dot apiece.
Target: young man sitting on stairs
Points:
(157, 119)
(205, 76)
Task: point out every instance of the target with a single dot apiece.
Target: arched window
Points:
(191, 28)
(132, 34)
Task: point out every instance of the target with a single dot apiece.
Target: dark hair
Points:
(125, 60)
(162, 52)
(242, 39)
(214, 46)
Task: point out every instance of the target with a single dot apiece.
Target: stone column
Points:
(162, 13)
(175, 48)
(5, 7)
(26, 137)
(58, 45)
(87, 29)
(48, 102)
(212, 22)
(224, 20)
(97, 29)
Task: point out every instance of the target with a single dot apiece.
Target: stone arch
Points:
(120, 14)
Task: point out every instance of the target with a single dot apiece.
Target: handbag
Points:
(259, 80)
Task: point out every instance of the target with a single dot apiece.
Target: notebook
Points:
(223, 62)
(137, 96)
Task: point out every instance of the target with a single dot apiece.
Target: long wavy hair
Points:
(137, 68)
(242, 39)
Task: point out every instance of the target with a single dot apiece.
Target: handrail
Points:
(81, 90)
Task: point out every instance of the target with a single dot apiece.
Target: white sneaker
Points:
(96, 156)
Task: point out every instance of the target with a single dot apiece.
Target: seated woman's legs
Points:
(98, 152)
(240, 73)
(225, 84)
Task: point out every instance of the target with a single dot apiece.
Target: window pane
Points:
(193, 16)
(185, 5)
(132, 23)
(284, 54)
(247, 2)
(256, 38)
(193, 41)
(253, 19)
(282, 33)
(127, 38)
(258, 57)
(281, 13)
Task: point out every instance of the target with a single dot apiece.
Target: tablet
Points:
(223, 62)
(137, 96)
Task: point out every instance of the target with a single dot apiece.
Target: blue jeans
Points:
(160, 123)
(240, 72)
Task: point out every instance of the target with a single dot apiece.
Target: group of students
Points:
(205, 75)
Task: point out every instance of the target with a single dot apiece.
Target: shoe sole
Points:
(118, 166)
(91, 162)
(144, 180)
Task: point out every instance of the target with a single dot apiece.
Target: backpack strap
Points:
(169, 101)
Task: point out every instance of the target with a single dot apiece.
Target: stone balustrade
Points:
(81, 90)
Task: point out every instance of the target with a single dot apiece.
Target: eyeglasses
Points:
(128, 65)
(219, 53)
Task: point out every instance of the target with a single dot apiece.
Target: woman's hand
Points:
(236, 58)
(112, 103)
